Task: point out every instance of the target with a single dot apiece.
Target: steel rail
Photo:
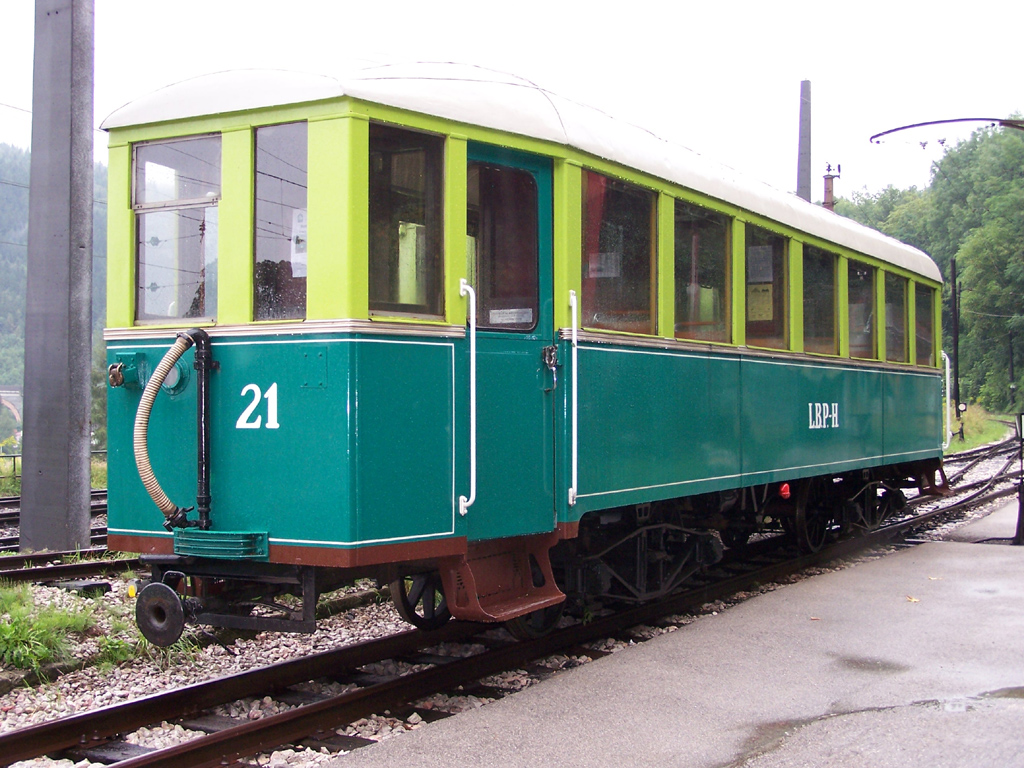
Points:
(102, 724)
(983, 450)
(15, 501)
(11, 543)
(50, 572)
(22, 561)
(13, 516)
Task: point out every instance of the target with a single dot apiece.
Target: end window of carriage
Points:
(406, 179)
(820, 301)
(924, 322)
(279, 237)
(767, 283)
(619, 235)
(702, 268)
(175, 193)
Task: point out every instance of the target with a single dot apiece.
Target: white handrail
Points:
(575, 405)
(948, 436)
(464, 503)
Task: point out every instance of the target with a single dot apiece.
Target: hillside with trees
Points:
(973, 211)
(14, 179)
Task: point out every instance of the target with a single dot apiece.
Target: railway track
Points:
(15, 501)
(57, 566)
(10, 507)
(93, 735)
(97, 538)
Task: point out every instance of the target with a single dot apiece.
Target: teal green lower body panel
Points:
(515, 440)
(658, 424)
(320, 441)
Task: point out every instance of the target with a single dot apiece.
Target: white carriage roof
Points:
(506, 102)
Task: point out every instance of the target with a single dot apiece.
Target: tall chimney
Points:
(803, 163)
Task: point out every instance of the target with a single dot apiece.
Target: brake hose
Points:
(175, 516)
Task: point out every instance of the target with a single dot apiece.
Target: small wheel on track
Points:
(159, 614)
(419, 599)
(812, 520)
(530, 626)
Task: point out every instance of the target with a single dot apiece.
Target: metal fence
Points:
(11, 464)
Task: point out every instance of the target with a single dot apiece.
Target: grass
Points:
(115, 651)
(980, 428)
(30, 635)
(11, 485)
(98, 472)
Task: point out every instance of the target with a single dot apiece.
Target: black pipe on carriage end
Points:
(203, 365)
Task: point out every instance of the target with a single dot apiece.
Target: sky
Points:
(721, 77)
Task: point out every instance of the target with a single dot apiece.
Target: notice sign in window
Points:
(759, 303)
(759, 264)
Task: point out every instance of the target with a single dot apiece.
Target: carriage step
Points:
(501, 579)
(927, 485)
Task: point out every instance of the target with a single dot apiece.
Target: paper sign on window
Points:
(759, 303)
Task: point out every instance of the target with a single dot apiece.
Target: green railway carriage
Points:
(436, 325)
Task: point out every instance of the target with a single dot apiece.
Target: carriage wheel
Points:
(812, 520)
(874, 510)
(537, 624)
(419, 599)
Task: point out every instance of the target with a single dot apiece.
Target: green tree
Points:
(973, 210)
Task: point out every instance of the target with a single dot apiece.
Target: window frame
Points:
(479, 271)
(436, 236)
(255, 223)
(783, 306)
(727, 221)
(871, 320)
(813, 251)
(904, 318)
(931, 294)
(141, 209)
(630, 187)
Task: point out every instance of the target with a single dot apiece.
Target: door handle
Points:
(549, 355)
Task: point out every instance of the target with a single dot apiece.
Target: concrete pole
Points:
(803, 163)
(58, 329)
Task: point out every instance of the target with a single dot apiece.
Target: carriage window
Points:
(618, 254)
(925, 324)
(177, 185)
(820, 301)
(702, 248)
(862, 310)
(767, 284)
(895, 318)
(406, 275)
(279, 270)
(501, 226)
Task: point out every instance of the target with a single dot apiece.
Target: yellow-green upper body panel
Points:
(463, 103)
